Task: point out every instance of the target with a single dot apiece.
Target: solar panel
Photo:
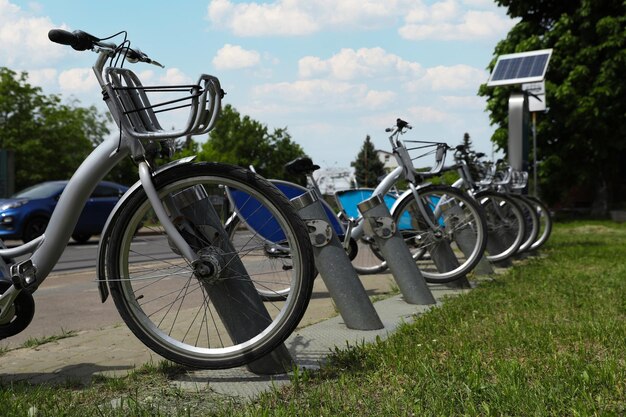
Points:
(524, 67)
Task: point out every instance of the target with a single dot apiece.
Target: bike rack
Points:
(194, 204)
(335, 268)
(379, 224)
(496, 245)
(444, 258)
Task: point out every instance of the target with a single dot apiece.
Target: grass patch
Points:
(547, 338)
(38, 341)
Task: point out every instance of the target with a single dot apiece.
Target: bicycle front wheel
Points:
(213, 320)
(505, 224)
(531, 220)
(545, 222)
(455, 244)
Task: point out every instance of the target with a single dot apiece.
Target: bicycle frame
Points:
(403, 170)
(47, 249)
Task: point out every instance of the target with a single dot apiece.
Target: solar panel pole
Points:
(518, 131)
(535, 154)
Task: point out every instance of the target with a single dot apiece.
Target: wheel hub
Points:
(208, 268)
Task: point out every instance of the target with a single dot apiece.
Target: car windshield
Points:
(44, 190)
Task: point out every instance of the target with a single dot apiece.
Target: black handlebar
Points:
(78, 40)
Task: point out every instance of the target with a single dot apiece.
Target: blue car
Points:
(25, 215)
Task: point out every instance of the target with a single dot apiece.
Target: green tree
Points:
(49, 138)
(582, 139)
(241, 140)
(367, 167)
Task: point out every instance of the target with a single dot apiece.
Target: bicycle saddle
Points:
(302, 165)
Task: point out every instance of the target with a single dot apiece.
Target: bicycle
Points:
(506, 217)
(164, 256)
(512, 182)
(436, 221)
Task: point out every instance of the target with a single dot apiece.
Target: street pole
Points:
(535, 154)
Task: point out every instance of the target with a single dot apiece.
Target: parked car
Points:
(26, 214)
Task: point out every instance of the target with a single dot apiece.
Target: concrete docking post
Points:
(380, 226)
(334, 267)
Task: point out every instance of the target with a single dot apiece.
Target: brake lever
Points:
(136, 55)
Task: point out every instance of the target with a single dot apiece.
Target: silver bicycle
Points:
(436, 221)
(182, 287)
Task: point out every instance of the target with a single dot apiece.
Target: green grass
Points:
(547, 338)
(38, 341)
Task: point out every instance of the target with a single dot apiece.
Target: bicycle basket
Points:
(412, 150)
(486, 173)
(138, 115)
(519, 179)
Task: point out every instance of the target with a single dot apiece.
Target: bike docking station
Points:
(443, 256)
(527, 69)
(379, 224)
(334, 266)
(194, 204)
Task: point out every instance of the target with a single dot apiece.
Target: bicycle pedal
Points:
(23, 274)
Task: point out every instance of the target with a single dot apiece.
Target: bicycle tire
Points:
(505, 224)
(178, 315)
(545, 223)
(531, 219)
(455, 248)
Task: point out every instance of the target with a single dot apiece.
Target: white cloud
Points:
(252, 19)
(45, 77)
(235, 57)
(321, 94)
(464, 102)
(377, 99)
(174, 76)
(77, 80)
(24, 38)
(349, 64)
(445, 20)
(426, 114)
(456, 77)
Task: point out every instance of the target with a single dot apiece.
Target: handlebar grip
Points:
(78, 40)
(61, 36)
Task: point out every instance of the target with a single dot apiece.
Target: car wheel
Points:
(81, 237)
(34, 228)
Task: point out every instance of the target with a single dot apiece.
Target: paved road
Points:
(69, 299)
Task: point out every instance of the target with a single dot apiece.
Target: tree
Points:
(368, 168)
(244, 141)
(582, 139)
(471, 157)
(49, 139)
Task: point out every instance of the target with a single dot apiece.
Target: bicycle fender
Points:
(103, 287)
(403, 196)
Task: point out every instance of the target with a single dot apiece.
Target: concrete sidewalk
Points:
(114, 351)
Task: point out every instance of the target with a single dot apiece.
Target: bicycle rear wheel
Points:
(266, 252)
(456, 245)
(215, 321)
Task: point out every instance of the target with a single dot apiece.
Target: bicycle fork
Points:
(176, 238)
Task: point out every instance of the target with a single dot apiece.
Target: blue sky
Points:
(331, 71)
